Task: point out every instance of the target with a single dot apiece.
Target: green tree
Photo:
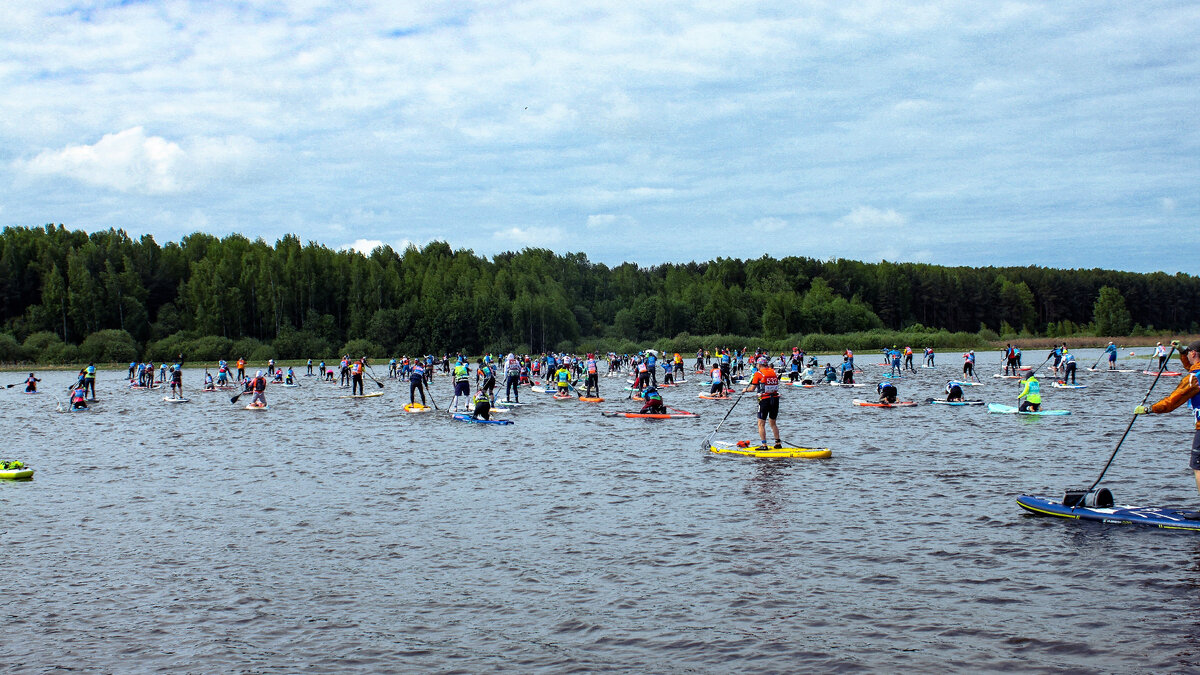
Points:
(1109, 313)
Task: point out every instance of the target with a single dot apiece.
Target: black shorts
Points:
(768, 408)
(1194, 465)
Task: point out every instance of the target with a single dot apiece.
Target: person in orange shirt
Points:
(1188, 392)
(766, 382)
(241, 369)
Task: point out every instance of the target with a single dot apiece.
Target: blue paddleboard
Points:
(1167, 518)
(468, 418)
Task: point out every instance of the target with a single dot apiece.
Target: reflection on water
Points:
(334, 535)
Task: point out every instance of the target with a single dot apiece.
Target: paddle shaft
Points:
(712, 433)
(1144, 399)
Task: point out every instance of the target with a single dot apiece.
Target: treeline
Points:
(66, 295)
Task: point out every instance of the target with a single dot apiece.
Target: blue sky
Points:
(962, 133)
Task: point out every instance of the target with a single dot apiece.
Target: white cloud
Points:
(366, 246)
(530, 236)
(609, 220)
(131, 161)
(868, 216)
(770, 224)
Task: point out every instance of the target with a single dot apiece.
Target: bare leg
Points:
(1197, 473)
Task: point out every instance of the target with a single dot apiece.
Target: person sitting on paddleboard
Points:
(259, 385)
(887, 392)
(847, 371)
(78, 398)
(1032, 393)
(766, 382)
(483, 406)
(1187, 391)
(208, 381)
(31, 384)
(954, 391)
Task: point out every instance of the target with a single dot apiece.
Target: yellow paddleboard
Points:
(730, 448)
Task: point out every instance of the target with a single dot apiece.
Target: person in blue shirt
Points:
(1069, 366)
(847, 371)
(1111, 351)
(887, 392)
(894, 356)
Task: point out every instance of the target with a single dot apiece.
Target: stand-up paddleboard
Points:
(1165, 373)
(564, 397)
(256, 407)
(538, 389)
(845, 384)
(171, 399)
(652, 416)
(1166, 518)
(591, 399)
(416, 408)
(938, 401)
(31, 392)
(966, 384)
(463, 417)
(1064, 385)
(1008, 409)
(289, 386)
(894, 377)
(877, 404)
(1006, 377)
(711, 397)
(753, 449)
(371, 395)
(801, 385)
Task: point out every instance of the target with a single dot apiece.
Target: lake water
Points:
(334, 535)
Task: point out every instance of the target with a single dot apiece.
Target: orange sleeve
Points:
(1188, 387)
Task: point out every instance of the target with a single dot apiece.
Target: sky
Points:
(1063, 134)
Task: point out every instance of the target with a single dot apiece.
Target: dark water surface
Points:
(331, 535)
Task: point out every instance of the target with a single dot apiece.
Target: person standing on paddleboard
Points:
(969, 365)
(1032, 393)
(1161, 352)
(1069, 366)
(593, 376)
(1111, 351)
(1188, 391)
(766, 382)
(847, 371)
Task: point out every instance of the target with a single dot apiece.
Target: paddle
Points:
(430, 392)
(371, 374)
(1080, 499)
(1097, 360)
(708, 439)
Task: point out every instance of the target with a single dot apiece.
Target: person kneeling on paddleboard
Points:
(78, 397)
(718, 382)
(653, 402)
(259, 385)
(954, 391)
(31, 384)
(887, 392)
(1032, 393)
(483, 406)
(1188, 391)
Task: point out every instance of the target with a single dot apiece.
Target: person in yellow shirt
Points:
(1032, 393)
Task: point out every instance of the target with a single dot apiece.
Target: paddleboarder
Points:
(1031, 393)
(31, 384)
(653, 402)
(766, 382)
(259, 386)
(1188, 391)
(1069, 367)
(887, 392)
(1111, 351)
(969, 365)
(954, 391)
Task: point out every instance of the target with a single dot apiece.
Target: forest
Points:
(69, 296)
